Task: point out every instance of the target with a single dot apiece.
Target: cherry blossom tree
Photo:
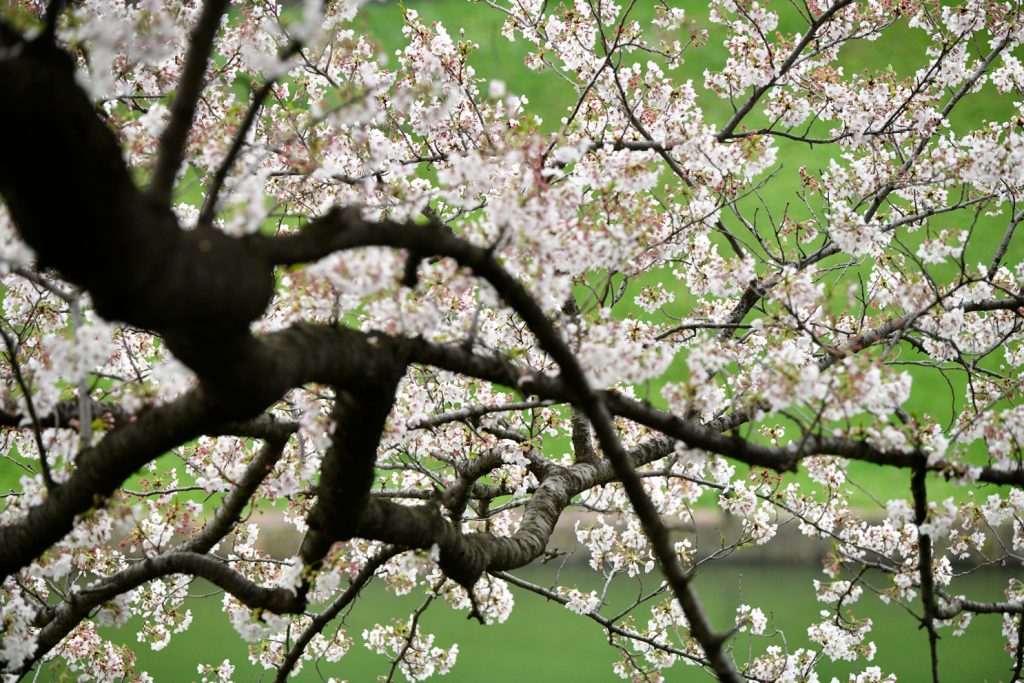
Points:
(249, 262)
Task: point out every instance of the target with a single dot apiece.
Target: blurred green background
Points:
(543, 641)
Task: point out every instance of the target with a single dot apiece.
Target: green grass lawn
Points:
(543, 641)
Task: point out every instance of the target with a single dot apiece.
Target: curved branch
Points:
(78, 606)
(57, 621)
(464, 557)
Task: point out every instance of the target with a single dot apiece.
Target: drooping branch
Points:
(105, 466)
(71, 612)
(786, 458)
(273, 365)
(101, 469)
(58, 621)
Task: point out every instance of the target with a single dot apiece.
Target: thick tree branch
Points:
(127, 251)
(101, 469)
(582, 442)
(346, 473)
